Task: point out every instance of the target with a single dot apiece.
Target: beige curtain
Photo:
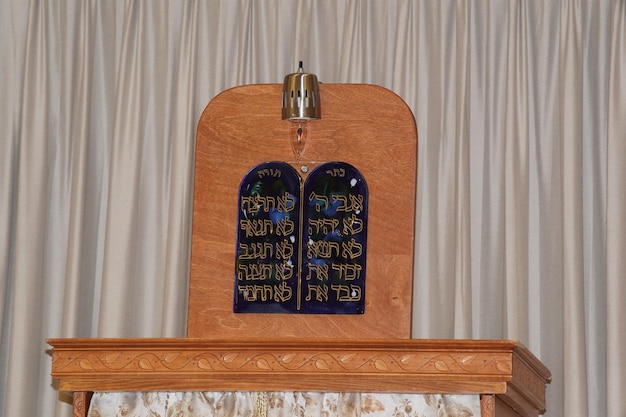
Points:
(521, 219)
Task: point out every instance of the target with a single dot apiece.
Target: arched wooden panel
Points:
(366, 126)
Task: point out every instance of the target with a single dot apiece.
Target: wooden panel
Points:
(502, 409)
(364, 125)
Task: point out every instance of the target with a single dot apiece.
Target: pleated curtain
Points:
(520, 108)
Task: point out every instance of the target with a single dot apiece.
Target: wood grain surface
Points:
(364, 125)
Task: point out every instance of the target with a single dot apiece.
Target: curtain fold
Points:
(521, 198)
(570, 142)
(615, 214)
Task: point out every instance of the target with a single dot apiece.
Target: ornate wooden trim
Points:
(487, 405)
(525, 387)
(377, 365)
(81, 403)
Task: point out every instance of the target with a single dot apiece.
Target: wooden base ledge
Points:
(504, 368)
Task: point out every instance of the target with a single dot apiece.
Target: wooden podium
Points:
(510, 380)
(372, 129)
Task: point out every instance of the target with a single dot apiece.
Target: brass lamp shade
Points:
(301, 97)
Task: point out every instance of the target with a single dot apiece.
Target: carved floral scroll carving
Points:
(354, 362)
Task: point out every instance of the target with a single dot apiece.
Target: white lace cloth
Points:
(280, 404)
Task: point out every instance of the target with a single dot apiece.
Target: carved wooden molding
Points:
(81, 403)
(487, 405)
(377, 365)
(288, 360)
(525, 386)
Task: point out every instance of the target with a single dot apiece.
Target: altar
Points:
(301, 281)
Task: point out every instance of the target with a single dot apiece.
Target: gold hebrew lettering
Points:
(336, 172)
(254, 272)
(356, 203)
(324, 225)
(256, 292)
(351, 249)
(284, 249)
(282, 293)
(351, 203)
(322, 249)
(348, 272)
(284, 270)
(285, 203)
(285, 227)
(257, 250)
(271, 172)
(318, 272)
(256, 227)
(255, 203)
(347, 293)
(320, 291)
(321, 201)
(352, 225)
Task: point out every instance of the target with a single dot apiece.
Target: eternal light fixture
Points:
(301, 104)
